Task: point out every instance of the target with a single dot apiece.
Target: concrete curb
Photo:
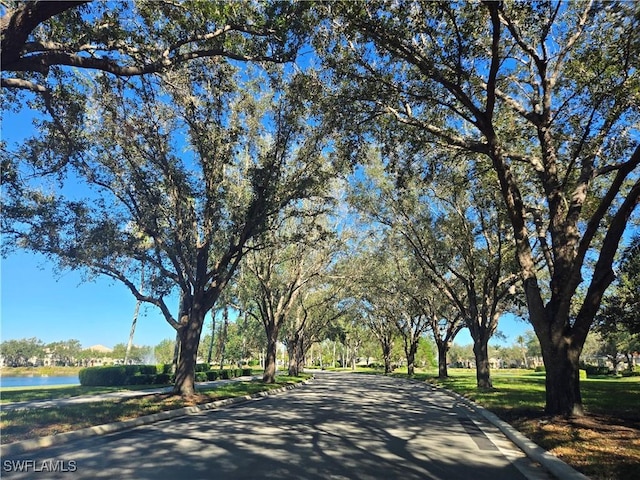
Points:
(53, 440)
(553, 464)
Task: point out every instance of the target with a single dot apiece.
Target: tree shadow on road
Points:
(330, 429)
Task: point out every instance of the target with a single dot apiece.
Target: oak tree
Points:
(178, 173)
(547, 92)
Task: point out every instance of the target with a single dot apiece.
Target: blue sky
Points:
(36, 301)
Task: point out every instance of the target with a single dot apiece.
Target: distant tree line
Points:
(28, 352)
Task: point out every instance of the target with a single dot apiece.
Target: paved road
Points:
(340, 426)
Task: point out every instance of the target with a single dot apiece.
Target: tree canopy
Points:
(546, 92)
(504, 134)
(41, 39)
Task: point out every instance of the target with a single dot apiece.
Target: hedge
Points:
(594, 370)
(164, 367)
(102, 376)
(119, 375)
(163, 378)
(202, 367)
(142, 379)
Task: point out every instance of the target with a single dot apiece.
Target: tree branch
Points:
(16, 25)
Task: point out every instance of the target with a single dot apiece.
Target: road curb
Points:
(553, 464)
(61, 438)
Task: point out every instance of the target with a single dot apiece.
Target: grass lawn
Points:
(22, 394)
(26, 424)
(604, 444)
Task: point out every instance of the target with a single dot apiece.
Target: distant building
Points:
(101, 357)
(100, 349)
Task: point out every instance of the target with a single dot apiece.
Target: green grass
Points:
(22, 394)
(33, 423)
(525, 390)
(619, 395)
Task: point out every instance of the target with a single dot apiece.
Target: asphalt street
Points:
(340, 426)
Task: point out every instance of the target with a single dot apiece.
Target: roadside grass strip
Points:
(28, 394)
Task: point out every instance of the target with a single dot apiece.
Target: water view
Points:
(37, 381)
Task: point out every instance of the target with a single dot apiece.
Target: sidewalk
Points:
(60, 402)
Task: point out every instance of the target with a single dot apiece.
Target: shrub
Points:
(162, 378)
(103, 376)
(141, 379)
(147, 369)
(212, 375)
(120, 375)
(130, 370)
(540, 368)
(246, 372)
(201, 376)
(225, 375)
(202, 367)
(165, 367)
(596, 370)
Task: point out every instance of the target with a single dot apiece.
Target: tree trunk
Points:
(176, 353)
(443, 349)
(562, 378)
(189, 341)
(223, 335)
(292, 348)
(333, 358)
(411, 358)
(296, 355)
(213, 334)
(386, 354)
(481, 352)
(269, 375)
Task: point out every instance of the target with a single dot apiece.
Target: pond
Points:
(37, 381)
